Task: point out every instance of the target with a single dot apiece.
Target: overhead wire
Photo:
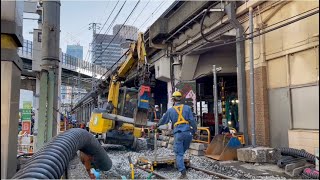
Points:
(202, 22)
(109, 27)
(257, 33)
(105, 12)
(114, 36)
(128, 49)
(104, 25)
(157, 9)
(106, 32)
(140, 12)
(122, 39)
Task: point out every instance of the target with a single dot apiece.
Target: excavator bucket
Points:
(223, 148)
(141, 112)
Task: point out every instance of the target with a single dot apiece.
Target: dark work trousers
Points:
(182, 142)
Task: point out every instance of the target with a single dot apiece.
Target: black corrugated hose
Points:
(51, 161)
(298, 153)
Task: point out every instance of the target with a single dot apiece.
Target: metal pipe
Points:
(50, 98)
(201, 121)
(241, 80)
(253, 119)
(215, 100)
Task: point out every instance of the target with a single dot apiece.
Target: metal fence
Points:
(68, 61)
(26, 50)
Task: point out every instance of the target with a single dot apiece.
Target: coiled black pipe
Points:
(297, 153)
(312, 173)
(51, 160)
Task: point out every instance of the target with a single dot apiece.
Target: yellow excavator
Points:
(125, 116)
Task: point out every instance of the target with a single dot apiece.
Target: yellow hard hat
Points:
(127, 96)
(177, 94)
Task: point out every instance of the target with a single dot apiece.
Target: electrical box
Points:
(162, 69)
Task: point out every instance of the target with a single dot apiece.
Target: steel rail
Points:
(212, 173)
(149, 171)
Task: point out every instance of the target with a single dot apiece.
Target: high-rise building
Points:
(126, 32)
(107, 49)
(75, 51)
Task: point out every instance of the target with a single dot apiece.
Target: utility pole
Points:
(215, 98)
(94, 27)
(11, 66)
(49, 74)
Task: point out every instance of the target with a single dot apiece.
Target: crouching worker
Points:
(184, 128)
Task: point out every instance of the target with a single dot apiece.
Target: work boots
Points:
(183, 175)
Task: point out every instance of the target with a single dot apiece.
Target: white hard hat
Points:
(156, 106)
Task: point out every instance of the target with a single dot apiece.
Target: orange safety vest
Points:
(181, 119)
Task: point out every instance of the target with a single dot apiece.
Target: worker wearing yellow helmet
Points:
(184, 128)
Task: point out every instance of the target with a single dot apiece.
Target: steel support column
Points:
(253, 119)
(230, 9)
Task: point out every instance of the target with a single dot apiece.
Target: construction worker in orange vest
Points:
(185, 127)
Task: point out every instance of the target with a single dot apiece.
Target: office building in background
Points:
(107, 49)
(75, 51)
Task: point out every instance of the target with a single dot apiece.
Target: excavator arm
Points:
(136, 58)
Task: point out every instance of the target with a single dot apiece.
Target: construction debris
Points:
(198, 146)
(258, 154)
(196, 152)
(121, 168)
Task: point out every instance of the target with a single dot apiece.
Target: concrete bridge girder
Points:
(28, 84)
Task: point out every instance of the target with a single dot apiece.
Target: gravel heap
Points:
(120, 162)
(120, 167)
(211, 165)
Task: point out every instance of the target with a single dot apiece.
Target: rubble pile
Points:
(121, 167)
(211, 165)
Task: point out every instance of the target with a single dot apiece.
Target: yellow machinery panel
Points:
(98, 124)
(126, 127)
(137, 132)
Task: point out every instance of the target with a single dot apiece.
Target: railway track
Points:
(218, 175)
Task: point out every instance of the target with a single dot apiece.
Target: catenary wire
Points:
(118, 31)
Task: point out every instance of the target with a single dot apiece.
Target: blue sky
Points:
(76, 16)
